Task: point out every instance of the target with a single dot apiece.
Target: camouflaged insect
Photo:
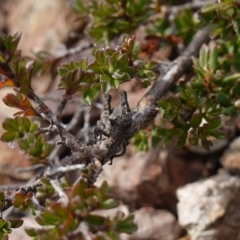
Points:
(115, 125)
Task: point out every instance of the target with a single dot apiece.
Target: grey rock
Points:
(210, 209)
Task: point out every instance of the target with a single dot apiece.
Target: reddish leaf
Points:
(7, 82)
(25, 103)
(12, 101)
(30, 112)
(18, 200)
(70, 224)
(174, 39)
(18, 113)
(152, 44)
(29, 195)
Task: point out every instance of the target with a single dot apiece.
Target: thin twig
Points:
(31, 168)
(61, 107)
(64, 52)
(63, 169)
(60, 191)
(86, 125)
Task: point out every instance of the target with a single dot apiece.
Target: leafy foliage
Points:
(192, 113)
(195, 111)
(110, 68)
(7, 225)
(21, 102)
(180, 29)
(16, 69)
(224, 17)
(24, 134)
(59, 219)
(111, 18)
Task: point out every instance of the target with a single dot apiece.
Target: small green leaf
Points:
(142, 146)
(100, 57)
(41, 221)
(199, 71)
(217, 134)
(196, 120)
(127, 225)
(121, 76)
(11, 42)
(110, 65)
(151, 65)
(223, 99)
(95, 219)
(8, 137)
(150, 75)
(32, 232)
(50, 218)
(203, 56)
(16, 223)
(72, 65)
(229, 80)
(114, 83)
(130, 70)
(108, 204)
(103, 189)
(105, 78)
(231, 111)
(95, 67)
(83, 64)
(62, 71)
(34, 127)
(145, 83)
(213, 59)
(122, 61)
(32, 210)
(23, 144)
(26, 124)
(214, 123)
(116, 56)
(2, 223)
